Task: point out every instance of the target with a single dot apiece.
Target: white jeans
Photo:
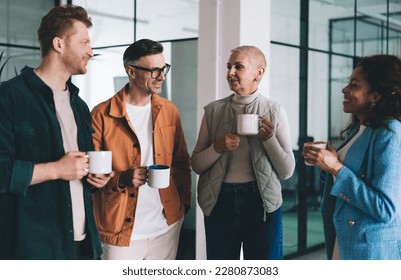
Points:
(162, 247)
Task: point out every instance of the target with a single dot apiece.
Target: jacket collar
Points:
(118, 108)
(157, 104)
(38, 86)
(117, 104)
(350, 136)
(358, 148)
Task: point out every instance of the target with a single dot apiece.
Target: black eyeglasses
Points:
(154, 72)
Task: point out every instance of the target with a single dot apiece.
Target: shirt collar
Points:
(118, 108)
(38, 86)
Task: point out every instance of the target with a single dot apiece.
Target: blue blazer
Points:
(363, 205)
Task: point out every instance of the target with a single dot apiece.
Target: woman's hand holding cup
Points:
(266, 129)
(228, 142)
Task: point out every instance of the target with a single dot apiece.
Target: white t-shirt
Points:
(149, 217)
(69, 133)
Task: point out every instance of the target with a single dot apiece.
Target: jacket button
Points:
(351, 222)
(363, 176)
(132, 195)
(128, 220)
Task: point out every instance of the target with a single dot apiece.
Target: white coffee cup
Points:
(318, 144)
(99, 162)
(158, 176)
(248, 124)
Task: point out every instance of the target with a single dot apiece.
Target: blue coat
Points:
(364, 204)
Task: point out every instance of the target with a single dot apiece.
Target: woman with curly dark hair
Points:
(361, 206)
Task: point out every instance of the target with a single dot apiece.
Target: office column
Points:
(224, 25)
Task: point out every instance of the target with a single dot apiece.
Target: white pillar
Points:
(224, 25)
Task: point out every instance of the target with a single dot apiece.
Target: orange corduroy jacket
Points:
(114, 208)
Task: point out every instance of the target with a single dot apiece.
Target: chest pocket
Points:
(168, 138)
(32, 140)
(85, 131)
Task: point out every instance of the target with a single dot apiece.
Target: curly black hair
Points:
(383, 73)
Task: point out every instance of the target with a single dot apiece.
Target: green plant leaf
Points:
(4, 64)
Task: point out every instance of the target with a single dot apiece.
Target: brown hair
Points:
(58, 22)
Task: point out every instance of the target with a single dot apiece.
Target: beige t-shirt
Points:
(69, 133)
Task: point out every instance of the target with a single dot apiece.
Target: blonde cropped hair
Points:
(254, 53)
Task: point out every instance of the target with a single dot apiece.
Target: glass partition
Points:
(317, 127)
(125, 21)
(371, 27)
(184, 95)
(342, 36)
(285, 21)
(321, 13)
(113, 21)
(19, 22)
(285, 90)
(340, 70)
(167, 20)
(20, 19)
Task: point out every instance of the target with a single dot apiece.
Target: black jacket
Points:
(37, 222)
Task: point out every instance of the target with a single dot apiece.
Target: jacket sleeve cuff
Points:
(21, 177)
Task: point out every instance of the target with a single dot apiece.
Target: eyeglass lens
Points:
(157, 71)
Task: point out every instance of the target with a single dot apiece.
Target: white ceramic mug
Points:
(318, 144)
(99, 162)
(248, 124)
(158, 176)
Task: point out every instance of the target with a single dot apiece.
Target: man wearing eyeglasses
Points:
(141, 129)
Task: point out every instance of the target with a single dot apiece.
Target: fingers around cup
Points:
(100, 162)
(317, 144)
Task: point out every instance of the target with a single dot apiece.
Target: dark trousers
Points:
(239, 218)
(8, 226)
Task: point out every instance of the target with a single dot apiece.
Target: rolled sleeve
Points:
(21, 177)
